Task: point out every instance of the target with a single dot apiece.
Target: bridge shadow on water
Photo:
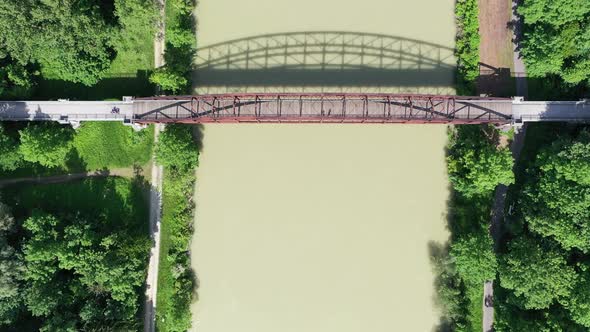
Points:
(331, 60)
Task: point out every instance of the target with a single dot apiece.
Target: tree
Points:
(10, 157)
(168, 79)
(47, 144)
(69, 39)
(16, 80)
(554, 12)
(578, 304)
(557, 201)
(474, 258)
(11, 271)
(537, 276)
(84, 272)
(475, 165)
(508, 318)
(557, 38)
(176, 148)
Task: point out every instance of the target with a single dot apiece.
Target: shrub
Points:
(176, 148)
(467, 45)
(169, 80)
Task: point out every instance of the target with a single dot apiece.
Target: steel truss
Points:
(322, 108)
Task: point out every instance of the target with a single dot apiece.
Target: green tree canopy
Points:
(71, 40)
(475, 165)
(168, 79)
(176, 148)
(554, 12)
(12, 271)
(537, 276)
(474, 258)
(10, 157)
(83, 273)
(579, 302)
(46, 143)
(557, 38)
(507, 318)
(557, 202)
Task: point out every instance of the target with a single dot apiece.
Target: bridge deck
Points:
(338, 108)
(335, 108)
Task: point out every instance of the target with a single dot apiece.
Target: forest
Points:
(66, 267)
(539, 261)
(543, 261)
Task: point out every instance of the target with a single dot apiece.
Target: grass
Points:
(97, 145)
(112, 145)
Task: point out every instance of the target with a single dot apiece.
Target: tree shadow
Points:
(335, 60)
(198, 134)
(111, 87)
(440, 262)
(502, 82)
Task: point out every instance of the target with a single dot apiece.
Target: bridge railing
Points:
(61, 117)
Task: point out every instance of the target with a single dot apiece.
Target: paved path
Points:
(155, 214)
(488, 312)
(496, 225)
(125, 172)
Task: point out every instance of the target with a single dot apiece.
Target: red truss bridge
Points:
(299, 108)
(322, 108)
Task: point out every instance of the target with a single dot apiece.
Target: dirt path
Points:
(155, 214)
(160, 38)
(123, 172)
(149, 319)
(519, 67)
(495, 48)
